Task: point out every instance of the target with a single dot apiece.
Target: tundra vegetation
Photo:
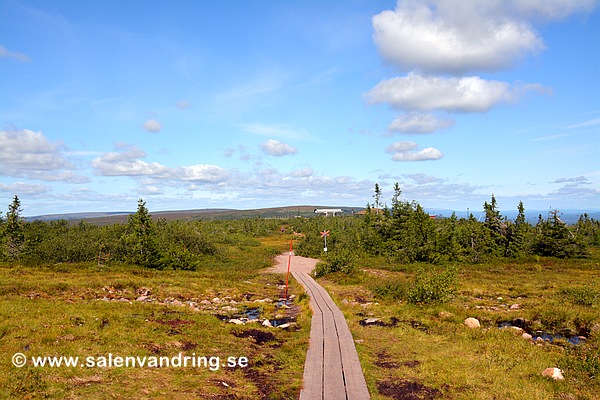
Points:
(405, 282)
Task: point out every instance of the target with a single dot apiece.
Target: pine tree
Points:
(377, 197)
(497, 228)
(141, 238)
(13, 230)
(516, 234)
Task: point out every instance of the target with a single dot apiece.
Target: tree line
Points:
(405, 233)
(142, 241)
(402, 233)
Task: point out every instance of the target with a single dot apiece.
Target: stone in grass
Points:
(237, 321)
(554, 373)
(472, 323)
(267, 323)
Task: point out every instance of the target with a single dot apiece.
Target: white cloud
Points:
(414, 122)
(22, 188)
(28, 154)
(552, 9)
(406, 151)
(423, 179)
(274, 131)
(201, 173)
(5, 53)
(400, 147)
(579, 180)
(152, 125)
(419, 93)
(126, 162)
(591, 122)
(439, 37)
(277, 148)
(303, 173)
(457, 37)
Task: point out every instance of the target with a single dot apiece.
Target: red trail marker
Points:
(287, 277)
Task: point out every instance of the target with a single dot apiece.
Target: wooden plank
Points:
(332, 369)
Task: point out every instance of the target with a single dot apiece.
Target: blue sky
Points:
(239, 104)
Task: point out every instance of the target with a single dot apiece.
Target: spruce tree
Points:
(13, 230)
(141, 238)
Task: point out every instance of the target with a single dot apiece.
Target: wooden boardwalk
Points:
(332, 369)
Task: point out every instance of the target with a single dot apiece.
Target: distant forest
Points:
(402, 233)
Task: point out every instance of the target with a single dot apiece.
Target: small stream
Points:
(575, 340)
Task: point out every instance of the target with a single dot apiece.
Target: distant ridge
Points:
(569, 216)
(104, 218)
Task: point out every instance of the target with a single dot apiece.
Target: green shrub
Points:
(391, 290)
(586, 296)
(339, 261)
(433, 286)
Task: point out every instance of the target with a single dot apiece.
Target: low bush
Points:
(432, 286)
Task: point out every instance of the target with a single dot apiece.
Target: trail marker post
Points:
(324, 235)
(287, 277)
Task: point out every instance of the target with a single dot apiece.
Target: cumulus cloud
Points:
(303, 173)
(414, 122)
(407, 151)
(276, 148)
(28, 154)
(426, 93)
(5, 53)
(456, 37)
(23, 188)
(127, 161)
(152, 125)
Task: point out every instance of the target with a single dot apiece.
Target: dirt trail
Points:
(298, 264)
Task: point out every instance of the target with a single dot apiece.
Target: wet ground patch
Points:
(385, 361)
(260, 337)
(407, 390)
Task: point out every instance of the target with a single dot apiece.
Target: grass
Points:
(420, 350)
(425, 351)
(85, 310)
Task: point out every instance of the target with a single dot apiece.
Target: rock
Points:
(143, 291)
(266, 300)
(515, 307)
(237, 321)
(141, 298)
(287, 326)
(371, 321)
(206, 302)
(216, 300)
(553, 373)
(526, 335)
(445, 315)
(472, 323)
(267, 323)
